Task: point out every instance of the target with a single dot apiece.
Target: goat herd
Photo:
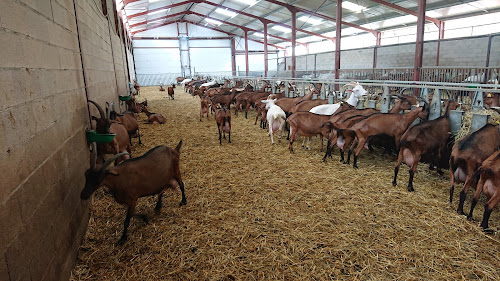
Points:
(473, 160)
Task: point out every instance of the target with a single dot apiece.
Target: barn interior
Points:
(254, 210)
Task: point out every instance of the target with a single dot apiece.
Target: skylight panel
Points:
(282, 29)
(216, 22)
(310, 20)
(157, 12)
(353, 7)
(226, 12)
(249, 2)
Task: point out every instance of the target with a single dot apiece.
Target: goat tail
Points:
(178, 147)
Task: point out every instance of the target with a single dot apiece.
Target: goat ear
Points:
(112, 172)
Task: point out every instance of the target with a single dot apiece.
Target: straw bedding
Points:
(256, 212)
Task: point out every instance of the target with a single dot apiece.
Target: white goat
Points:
(208, 84)
(187, 80)
(329, 109)
(275, 118)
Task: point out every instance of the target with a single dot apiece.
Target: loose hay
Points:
(256, 212)
(467, 121)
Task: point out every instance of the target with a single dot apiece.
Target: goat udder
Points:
(459, 175)
(340, 142)
(276, 125)
(408, 157)
(226, 128)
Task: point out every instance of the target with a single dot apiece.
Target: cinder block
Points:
(4, 270)
(10, 44)
(64, 17)
(10, 221)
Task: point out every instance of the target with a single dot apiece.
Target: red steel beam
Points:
(229, 9)
(239, 26)
(233, 56)
(265, 49)
(408, 11)
(153, 26)
(294, 41)
(246, 51)
(338, 35)
(419, 46)
(375, 32)
(160, 18)
(232, 34)
(161, 8)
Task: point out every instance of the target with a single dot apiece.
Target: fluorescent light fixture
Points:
(310, 20)
(282, 29)
(152, 1)
(258, 34)
(353, 7)
(157, 12)
(216, 22)
(249, 2)
(226, 12)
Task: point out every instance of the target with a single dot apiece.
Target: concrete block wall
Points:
(495, 51)
(43, 117)
(468, 52)
(463, 52)
(358, 58)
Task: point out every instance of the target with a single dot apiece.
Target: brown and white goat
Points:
(146, 175)
(467, 155)
(171, 92)
(489, 184)
(223, 120)
(423, 138)
(161, 88)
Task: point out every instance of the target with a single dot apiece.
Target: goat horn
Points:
(113, 158)
(101, 112)
(93, 156)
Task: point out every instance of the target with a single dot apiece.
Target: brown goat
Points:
(205, 103)
(224, 99)
(489, 184)
(423, 138)
(128, 119)
(154, 117)
(171, 92)
(491, 100)
(466, 157)
(307, 124)
(306, 105)
(121, 141)
(162, 89)
(223, 120)
(149, 174)
(391, 124)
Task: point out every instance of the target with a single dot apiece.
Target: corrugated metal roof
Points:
(143, 14)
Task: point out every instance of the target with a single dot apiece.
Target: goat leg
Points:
(220, 135)
(130, 213)
(181, 186)
(229, 135)
(138, 135)
(486, 218)
(159, 203)
(460, 209)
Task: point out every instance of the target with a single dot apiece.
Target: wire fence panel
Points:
(157, 79)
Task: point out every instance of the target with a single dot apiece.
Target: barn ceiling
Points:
(230, 16)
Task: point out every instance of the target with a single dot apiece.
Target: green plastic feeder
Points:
(124, 98)
(93, 136)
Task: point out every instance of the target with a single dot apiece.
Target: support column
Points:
(419, 46)
(246, 52)
(233, 55)
(488, 52)
(441, 36)
(265, 48)
(338, 35)
(294, 40)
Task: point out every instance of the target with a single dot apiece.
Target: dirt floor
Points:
(256, 212)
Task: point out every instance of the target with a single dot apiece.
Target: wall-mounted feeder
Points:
(124, 98)
(93, 136)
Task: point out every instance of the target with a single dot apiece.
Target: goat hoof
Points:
(410, 189)
(144, 218)
(122, 240)
(461, 213)
(488, 231)
(470, 218)
(394, 183)
(355, 166)
(183, 202)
